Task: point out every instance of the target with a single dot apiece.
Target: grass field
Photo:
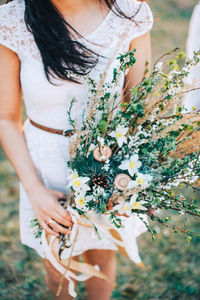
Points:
(172, 266)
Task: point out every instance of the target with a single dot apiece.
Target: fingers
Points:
(53, 217)
(48, 229)
(59, 219)
(63, 212)
(58, 228)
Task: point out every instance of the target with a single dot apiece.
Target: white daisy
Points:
(142, 180)
(123, 208)
(81, 201)
(120, 135)
(78, 183)
(132, 164)
(137, 204)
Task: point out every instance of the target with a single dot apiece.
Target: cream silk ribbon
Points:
(66, 264)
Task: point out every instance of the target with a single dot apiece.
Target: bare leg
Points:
(53, 278)
(99, 289)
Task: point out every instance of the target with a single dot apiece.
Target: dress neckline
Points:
(98, 28)
(90, 34)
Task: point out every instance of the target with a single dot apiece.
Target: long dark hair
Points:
(59, 52)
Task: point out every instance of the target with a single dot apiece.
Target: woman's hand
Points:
(51, 216)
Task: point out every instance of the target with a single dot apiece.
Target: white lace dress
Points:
(47, 104)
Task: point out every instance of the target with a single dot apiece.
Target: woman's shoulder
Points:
(134, 8)
(140, 16)
(11, 18)
(10, 12)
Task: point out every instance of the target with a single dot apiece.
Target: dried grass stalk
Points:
(197, 183)
(190, 119)
(188, 146)
(74, 141)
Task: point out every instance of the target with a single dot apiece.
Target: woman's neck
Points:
(83, 15)
(71, 6)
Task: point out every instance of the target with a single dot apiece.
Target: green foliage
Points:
(103, 126)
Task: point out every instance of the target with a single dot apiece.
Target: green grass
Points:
(172, 266)
(171, 24)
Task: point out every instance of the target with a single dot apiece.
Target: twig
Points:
(165, 54)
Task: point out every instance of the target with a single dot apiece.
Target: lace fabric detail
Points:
(140, 22)
(8, 26)
(117, 32)
(13, 31)
(114, 30)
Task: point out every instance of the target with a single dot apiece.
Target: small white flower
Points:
(120, 135)
(132, 164)
(142, 180)
(81, 201)
(100, 140)
(106, 168)
(182, 212)
(92, 147)
(106, 165)
(78, 183)
(123, 208)
(137, 204)
(168, 203)
(159, 66)
(126, 207)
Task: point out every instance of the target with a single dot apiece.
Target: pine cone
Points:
(101, 180)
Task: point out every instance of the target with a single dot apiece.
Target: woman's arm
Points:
(142, 45)
(44, 201)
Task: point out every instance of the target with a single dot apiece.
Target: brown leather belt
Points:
(67, 133)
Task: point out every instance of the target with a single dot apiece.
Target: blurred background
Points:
(172, 265)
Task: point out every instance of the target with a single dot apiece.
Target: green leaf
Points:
(125, 104)
(103, 126)
(188, 239)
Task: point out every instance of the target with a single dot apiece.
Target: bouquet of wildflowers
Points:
(127, 158)
(130, 158)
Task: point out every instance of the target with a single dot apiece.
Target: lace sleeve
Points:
(142, 18)
(8, 26)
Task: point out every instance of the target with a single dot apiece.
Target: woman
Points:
(46, 54)
(192, 99)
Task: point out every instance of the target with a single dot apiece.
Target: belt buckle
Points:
(67, 132)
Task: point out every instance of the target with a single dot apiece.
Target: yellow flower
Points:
(77, 182)
(119, 134)
(136, 205)
(81, 201)
(132, 164)
(140, 180)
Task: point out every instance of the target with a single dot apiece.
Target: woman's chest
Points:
(37, 90)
